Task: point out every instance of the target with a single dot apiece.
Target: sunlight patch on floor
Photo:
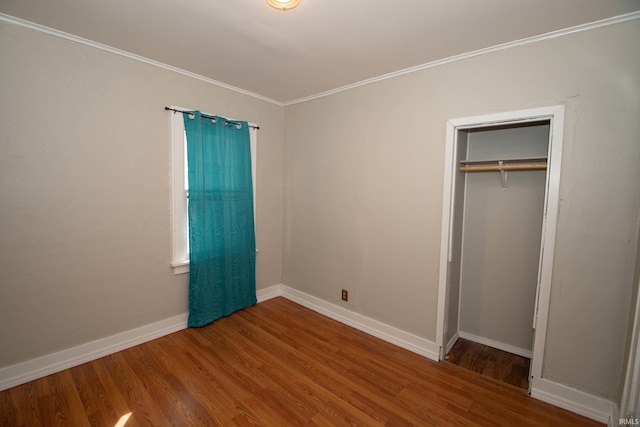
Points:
(123, 420)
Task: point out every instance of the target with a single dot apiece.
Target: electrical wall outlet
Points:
(345, 295)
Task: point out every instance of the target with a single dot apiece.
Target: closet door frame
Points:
(555, 115)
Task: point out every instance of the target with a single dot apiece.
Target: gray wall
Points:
(84, 185)
(84, 191)
(501, 241)
(364, 180)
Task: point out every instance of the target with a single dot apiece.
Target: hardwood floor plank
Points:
(438, 411)
(93, 396)
(294, 368)
(205, 378)
(9, 411)
(498, 364)
(311, 375)
(277, 364)
(134, 391)
(230, 392)
(220, 406)
(114, 396)
(171, 395)
(60, 405)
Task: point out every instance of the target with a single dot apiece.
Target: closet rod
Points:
(512, 167)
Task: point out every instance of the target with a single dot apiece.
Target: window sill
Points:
(180, 267)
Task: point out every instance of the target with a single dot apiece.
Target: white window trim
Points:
(179, 221)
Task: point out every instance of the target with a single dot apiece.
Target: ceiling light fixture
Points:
(283, 5)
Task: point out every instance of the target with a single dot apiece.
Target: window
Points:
(180, 191)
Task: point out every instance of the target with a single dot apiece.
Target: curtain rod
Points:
(208, 117)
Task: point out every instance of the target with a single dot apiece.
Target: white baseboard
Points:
(565, 397)
(585, 404)
(30, 370)
(365, 324)
(451, 343)
(495, 344)
(268, 293)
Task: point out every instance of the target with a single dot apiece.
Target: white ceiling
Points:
(319, 46)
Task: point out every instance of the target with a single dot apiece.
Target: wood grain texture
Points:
(501, 365)
(273, 364)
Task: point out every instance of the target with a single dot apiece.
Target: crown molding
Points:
(124, 53)
(534, 39)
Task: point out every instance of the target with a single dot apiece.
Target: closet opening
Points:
(497, 242)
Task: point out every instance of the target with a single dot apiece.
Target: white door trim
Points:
(552, 197)
(630, 401)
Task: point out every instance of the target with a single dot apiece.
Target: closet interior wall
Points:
(496, 239)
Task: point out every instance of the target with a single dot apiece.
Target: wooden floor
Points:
(273, 364)
(506, 367)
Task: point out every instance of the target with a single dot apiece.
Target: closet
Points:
(497, 221)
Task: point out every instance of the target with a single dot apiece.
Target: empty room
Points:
(304, 212)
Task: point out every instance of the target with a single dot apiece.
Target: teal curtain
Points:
(222, 249)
